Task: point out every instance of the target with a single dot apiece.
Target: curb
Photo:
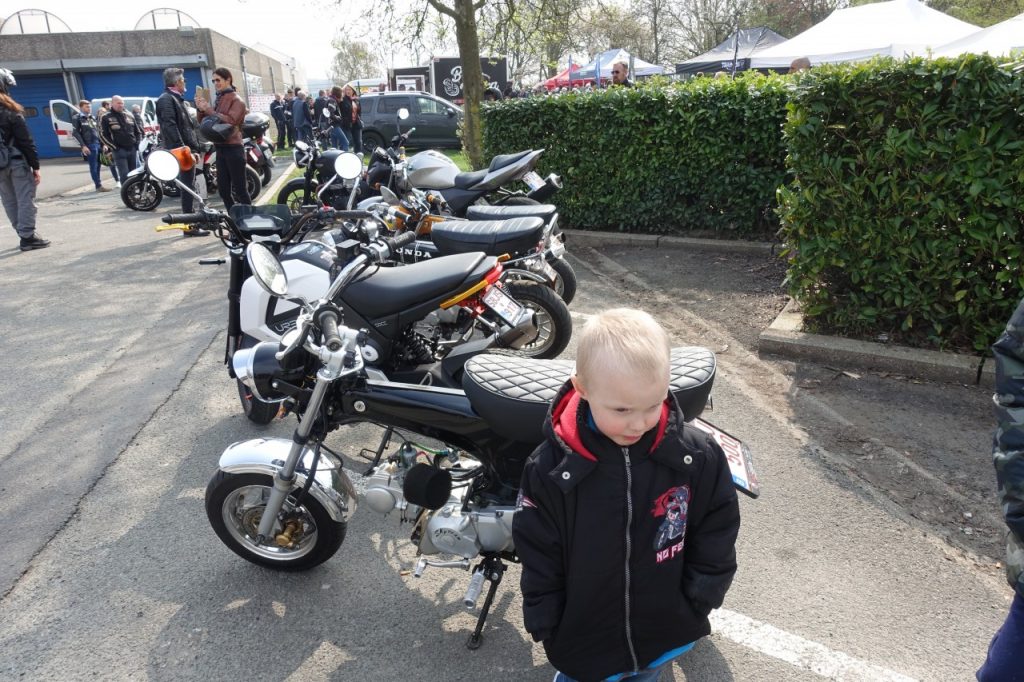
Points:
(784, 338)
(654, 241)
(275, 187)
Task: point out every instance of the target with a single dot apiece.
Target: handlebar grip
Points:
(171, 218)
(329, 324)
(395, 243)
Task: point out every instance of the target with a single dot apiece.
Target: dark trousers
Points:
(1005, 662)
(94, 162)
(124, 159)
(188, 178)
(355, 137)
(231, 175)
(282, 134)
(291, 133)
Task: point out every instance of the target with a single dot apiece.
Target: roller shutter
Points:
(34, 93)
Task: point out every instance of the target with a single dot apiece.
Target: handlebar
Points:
(396, 243)
(191, 218)
(329, 325)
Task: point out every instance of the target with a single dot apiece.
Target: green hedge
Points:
(702, 157)
(906, 209)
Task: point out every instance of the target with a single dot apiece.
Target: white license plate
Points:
(533, 180)
(549, 271)
(741, 464)
(507, 308)
(557, 247)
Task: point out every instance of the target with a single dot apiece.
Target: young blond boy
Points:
(628, 518)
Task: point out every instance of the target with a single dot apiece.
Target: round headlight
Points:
(259, 370)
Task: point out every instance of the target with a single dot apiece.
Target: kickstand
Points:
(494, 571)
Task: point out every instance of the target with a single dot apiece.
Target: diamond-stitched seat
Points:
(513, 393)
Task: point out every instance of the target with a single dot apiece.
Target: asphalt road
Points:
(116, 407)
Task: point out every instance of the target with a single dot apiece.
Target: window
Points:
(391, 105)
(425, 105)
(30, 112)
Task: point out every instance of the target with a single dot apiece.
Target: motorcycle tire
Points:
(253, 184)
(293, 195)
(565, 285)
(518, 201)
(554, 323)
(141, 193)
(234, 505)
(266, 175)
(257, 411)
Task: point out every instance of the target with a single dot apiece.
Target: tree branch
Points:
(442, 8)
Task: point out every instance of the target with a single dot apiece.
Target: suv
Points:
(436, 120)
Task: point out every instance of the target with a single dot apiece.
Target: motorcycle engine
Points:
(450, 530)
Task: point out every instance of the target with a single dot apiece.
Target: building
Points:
(73, 66)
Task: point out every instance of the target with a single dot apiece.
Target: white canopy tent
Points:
(609, 57)
(896, 28)
(999, 40)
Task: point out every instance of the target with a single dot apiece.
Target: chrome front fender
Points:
(331, 485)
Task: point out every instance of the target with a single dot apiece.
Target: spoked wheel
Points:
(554, 323)
(303, 536)
(141, 193)
(258, 411)
(293, 195)
(565, 285)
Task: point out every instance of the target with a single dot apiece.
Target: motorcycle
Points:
(400, 306)
(259, 151)
(140, 191)
(285, 503)
(319, 165)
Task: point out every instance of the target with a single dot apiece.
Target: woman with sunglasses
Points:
(230, 153)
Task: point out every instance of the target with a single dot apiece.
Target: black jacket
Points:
(175, 124)
(277, 111)
(17, 135)
(84, 129)
(623, 557)
(347, 120)
(117, 130)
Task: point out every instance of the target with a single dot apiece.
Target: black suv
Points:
(435, 119)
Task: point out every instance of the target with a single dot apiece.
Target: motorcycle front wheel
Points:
(294, 196)
(554, 323)
(234, 505)
(141, 193)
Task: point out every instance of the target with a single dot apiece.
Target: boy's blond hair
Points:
(623, 341)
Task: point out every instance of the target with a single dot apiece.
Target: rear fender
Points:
(331, 485)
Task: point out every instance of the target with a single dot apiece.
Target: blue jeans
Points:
(94, 163)
(1005, 661)
(339, 140)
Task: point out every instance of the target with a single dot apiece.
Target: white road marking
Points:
(797, 651)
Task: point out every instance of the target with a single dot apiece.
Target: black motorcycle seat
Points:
(485, 212)
(393, 289)
(502, 160)
(262, 221)
(467, 180)
(513, 393)
(493, 237)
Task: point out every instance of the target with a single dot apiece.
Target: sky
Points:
(302, 29)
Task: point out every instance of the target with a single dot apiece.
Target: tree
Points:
(981, 12)
(463, 13)
(354, 59)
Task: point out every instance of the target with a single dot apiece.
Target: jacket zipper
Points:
(629, 549)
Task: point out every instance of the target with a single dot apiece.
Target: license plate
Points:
(549, 271)
(507, 308)
(741, 463)
(533, 180)
(557, 247)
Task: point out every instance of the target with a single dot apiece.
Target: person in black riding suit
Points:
(176, 131)
(19, 174)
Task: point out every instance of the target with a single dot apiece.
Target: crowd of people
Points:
(333, 116)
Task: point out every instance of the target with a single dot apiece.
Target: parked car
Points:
(436, 120)
(63, 111)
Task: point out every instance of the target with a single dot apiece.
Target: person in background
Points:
(277, 113)
(20, 177)
(351, 121)
(1005, 660)
(339, 140)
(140, 129)
(289, 100)
(84, 128)
(176, 131)
(492, 95)
(620, 74)
(230, 153)
(318, 109)
(104, 110)
(117, 130)
(302, 117)
(800, 64)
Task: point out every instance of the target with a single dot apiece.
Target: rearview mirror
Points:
(267, 270)
(388, 196)
(348, 166)
(403, 114)
(162, 165)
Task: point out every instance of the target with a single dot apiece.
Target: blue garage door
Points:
(145, 83)
(34, 93)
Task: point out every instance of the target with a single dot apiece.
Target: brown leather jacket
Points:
(231, 109)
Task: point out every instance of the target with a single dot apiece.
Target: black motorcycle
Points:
(306, 190)
(140, 191)
(285, 503)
